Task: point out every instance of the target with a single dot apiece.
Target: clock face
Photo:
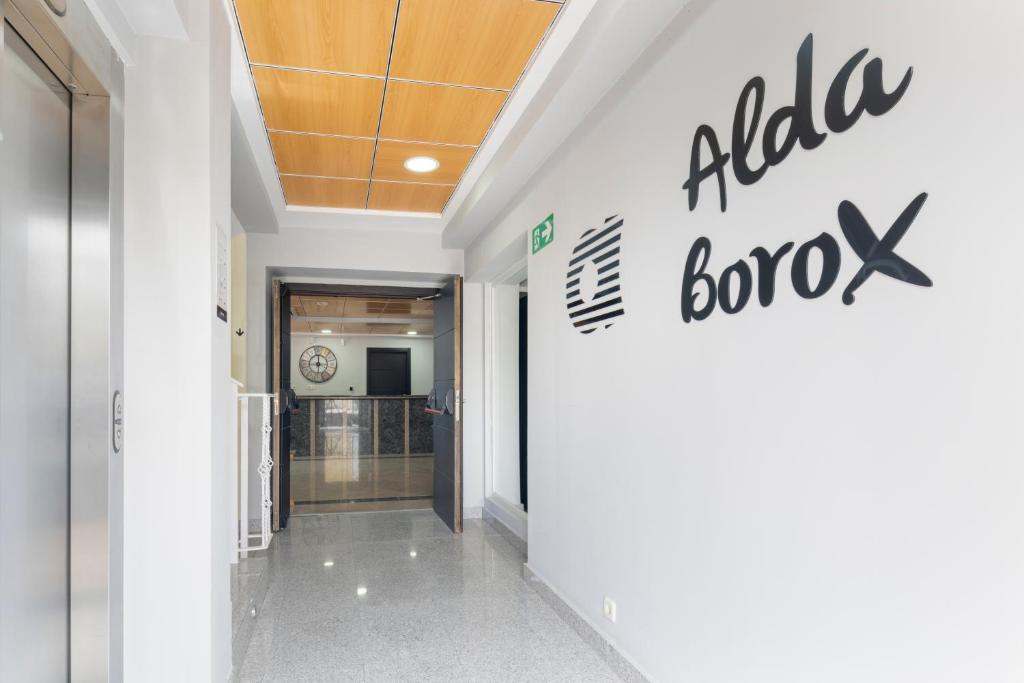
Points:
(318, 364)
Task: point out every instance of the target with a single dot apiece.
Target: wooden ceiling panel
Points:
(392, 155)
(364, 308)
(361, 315)
(386, 196)
(350, 36)
(311, 102)
(468, 42)
(316, 155)
(410, 308)
(339, 193)
(439, 113)
(322, 69)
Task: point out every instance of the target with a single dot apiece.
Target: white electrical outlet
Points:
(609, 609)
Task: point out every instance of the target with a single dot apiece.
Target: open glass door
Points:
(280, 386)
(445, 404)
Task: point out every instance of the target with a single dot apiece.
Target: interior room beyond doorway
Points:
(361, 437)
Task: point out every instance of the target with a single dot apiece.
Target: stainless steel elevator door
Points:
(35, 230)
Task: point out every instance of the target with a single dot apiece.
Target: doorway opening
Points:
(506, 415)
(366, 377)
(361, 439)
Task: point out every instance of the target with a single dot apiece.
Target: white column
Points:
(177, 611)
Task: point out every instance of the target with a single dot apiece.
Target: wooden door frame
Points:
(275, 388)
(457, 421)
(384, 292)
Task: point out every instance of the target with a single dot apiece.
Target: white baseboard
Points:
(511, 515)
(602, 643)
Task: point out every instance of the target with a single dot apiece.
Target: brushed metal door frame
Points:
(76, 51)
(35, 372)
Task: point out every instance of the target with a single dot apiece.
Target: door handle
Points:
(117, 422)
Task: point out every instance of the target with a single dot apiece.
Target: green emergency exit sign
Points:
(544, 234)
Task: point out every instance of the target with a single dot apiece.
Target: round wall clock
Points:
(318, 364)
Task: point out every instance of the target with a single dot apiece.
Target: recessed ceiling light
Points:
(412, 553)
(325, 331)
(361, 590)
(411, 332)
(422, 164)
(329, 563)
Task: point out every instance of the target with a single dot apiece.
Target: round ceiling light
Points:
(422, 164)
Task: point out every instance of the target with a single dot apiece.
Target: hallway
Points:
(405, 600)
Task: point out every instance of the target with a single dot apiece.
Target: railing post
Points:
(266, 463)
(264, 468)
(243, 475)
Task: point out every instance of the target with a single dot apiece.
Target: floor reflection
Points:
(361, 454)
(350, 483)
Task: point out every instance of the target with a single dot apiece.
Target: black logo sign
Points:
(595, 266)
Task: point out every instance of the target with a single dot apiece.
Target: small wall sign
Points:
(544, 234)
(223, 273)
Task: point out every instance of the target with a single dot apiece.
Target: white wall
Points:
(237, 314)
(809, 491)
(473, 399)
(350, 378)
(177, 534)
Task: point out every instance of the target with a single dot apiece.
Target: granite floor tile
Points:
(404, 599)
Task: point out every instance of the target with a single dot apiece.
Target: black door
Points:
(445, 404)
(388, 372)
(289, 403)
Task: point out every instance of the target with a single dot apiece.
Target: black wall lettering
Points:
(741, 270)
(693, 274)
(742, 136)
(774, 153)
(873, 99)
(877, 254)
(786, 127)
(734, 287)
(803, 119)
(767, 263)
(831, 259)
(716, 167)
(876, 100)
(836, 117)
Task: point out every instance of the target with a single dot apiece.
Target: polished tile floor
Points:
(361, 483)
(394, 596)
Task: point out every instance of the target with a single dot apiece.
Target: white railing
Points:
(263, 469)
